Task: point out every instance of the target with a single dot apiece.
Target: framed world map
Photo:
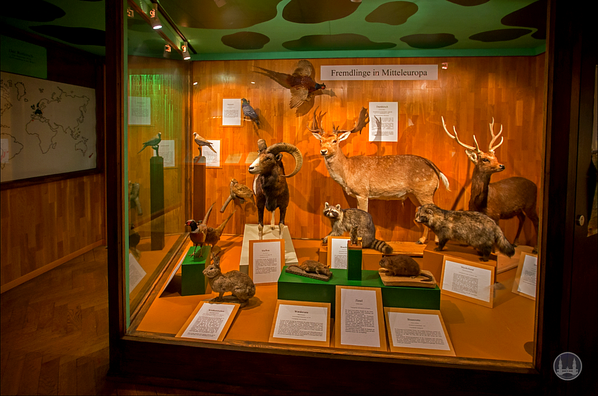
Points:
(48, 128)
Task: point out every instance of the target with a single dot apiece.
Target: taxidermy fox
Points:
(343, 220)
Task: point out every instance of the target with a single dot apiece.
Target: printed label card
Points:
(359, 318)
(384, 122)
(266, 259)
(232, 115)
(468, 280)
(417, 331)
(209, 321)
(301, 323)
(337, 252)
(526, 276)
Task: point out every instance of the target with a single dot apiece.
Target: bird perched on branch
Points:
(201, 142)
(250, 112)
(238, 190)
(202, 235)
(154, 142)
(301, 82)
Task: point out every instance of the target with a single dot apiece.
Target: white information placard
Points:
(359, 318)
(527, 276)
(384, 121)
(302, 323)
(468, 280)
(378, 72)
(212, 158)
(166, 151)
(209, 321)
(417, 331)
(337, 252)
(231, 112)
(266, 259)
(140, 110)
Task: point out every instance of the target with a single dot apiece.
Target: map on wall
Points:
(47, 127)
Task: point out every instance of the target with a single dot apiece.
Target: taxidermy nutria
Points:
(473, 228)
(402, 265)
(314, 267)
(236, 282)
(343, 220)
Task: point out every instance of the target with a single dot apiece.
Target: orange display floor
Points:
(504, 332)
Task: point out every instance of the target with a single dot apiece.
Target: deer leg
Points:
(362, 203)
(521, 217)
(533, 216)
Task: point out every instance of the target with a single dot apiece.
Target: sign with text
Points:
(468, 280)
(526, 276)
(212, 158)
(359, 318)
(301, 323)
(384, 122)
(379, 72)
(266, 259)
(209, 321)
(231, 112)
(337, 252)
(417, 331)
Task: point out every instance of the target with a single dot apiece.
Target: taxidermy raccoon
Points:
(343, 220)
(473, 228)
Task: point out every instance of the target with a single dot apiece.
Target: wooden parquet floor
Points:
(55, 334)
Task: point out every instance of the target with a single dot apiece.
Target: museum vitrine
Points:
(190, 152)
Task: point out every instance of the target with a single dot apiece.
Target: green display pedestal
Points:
(157, 202)
(354, 259)
(193, 281)
(299, 288)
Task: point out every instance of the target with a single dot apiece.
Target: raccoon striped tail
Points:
(381, 246)
(504, 246)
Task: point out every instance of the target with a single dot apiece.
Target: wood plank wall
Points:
(47, 223)
(468, 94)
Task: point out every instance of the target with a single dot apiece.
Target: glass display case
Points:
(163, 180)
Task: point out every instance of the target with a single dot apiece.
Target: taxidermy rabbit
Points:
(236, 282)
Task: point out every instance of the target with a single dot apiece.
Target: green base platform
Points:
(299, 288)
(193, 281)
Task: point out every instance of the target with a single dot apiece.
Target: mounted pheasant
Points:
(202, 235)
(301, 83)
(504, 199)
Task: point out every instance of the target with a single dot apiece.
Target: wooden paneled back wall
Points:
(468, 94)
(50, 221)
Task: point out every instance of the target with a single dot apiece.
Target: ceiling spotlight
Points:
(154, 20)
(444, 65)
(185, 51)
(167, 51)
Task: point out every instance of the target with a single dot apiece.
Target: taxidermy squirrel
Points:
(236, 282)
(473, 228)
(343, 220)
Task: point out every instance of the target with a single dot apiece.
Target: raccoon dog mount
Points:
(344, 220)
(473, 228)
(310, 269)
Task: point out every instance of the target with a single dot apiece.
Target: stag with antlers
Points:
(377, 177)
(504, 199)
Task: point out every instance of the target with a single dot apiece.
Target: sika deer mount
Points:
(505, 199)
(377, 177)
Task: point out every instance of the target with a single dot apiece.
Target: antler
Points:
(494, 137)
(456, 138)
(364, 119)
(316, 122)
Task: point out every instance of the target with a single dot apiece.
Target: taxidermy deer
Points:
(377, 177)
(504, 199)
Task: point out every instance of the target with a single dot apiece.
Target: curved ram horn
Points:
(288, 148)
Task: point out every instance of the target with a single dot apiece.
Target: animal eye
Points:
(485, 160)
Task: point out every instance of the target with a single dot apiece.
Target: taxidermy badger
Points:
(473, 228)
(343, 220)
